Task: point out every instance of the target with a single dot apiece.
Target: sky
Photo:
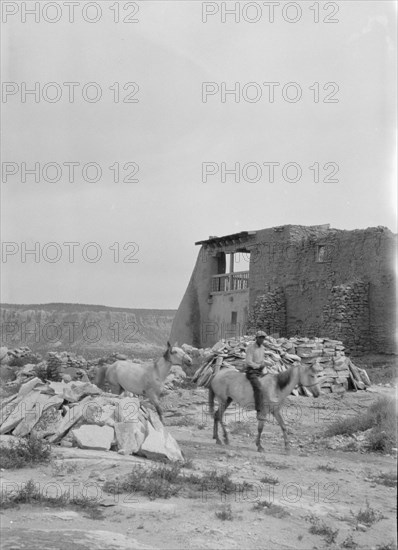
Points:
(178, 133)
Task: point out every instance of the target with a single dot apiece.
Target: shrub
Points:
(369, 516)
(30, 493)
(380, 418)
(319, 527)
(168, 481)
(349, 542)
(327, 468)
(24, 452)
(389, 479)
(270, 509)
(269, 479)
(225, 513)
(155, 482)
(387, 546)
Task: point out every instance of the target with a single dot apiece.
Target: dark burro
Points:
(293, 280)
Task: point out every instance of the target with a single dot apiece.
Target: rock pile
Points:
(336, 371)
(23, 355)
(80, 414)
(64, 363)
(175, 378)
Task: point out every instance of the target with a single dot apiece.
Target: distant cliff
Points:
(86, 329)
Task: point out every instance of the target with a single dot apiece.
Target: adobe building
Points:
(293, 280)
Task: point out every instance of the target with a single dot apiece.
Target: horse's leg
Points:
(281, 423)
(260, 427)
(116, 388)
(223, 425)
(217, 419)
(266, 409)
(155, 401)
(215, 425)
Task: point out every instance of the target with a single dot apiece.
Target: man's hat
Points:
(260, 334)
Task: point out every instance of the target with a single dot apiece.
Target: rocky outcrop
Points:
(79, 414)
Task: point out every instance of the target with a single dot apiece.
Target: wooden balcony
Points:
(230, 282)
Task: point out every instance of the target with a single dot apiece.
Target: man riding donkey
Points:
(254, 369)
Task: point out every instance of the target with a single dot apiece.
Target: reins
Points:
(309, 385)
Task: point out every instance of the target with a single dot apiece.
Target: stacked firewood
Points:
(336, 371)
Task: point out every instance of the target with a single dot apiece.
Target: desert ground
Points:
(326, 493)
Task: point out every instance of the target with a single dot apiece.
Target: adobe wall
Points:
(194, 308)
(291, 292)
(286, 258)
(219, 317)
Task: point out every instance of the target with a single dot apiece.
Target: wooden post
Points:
(231, 270)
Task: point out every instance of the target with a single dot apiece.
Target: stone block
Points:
(32, 417)
(94, 437)
(129, 436)
(127, 410)
(74, 391)
(15, 412)
(160, 444)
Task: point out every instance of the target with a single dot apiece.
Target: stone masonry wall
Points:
(269, 313)
(347, 315)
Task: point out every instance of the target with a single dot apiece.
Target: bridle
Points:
(185, 357)
(310, 385)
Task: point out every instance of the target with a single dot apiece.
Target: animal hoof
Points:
(219, 442)
(260, 449)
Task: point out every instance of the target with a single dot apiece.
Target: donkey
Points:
(142, 379)
(230, 385)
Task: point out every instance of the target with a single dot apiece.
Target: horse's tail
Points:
(211, 400)
(100, 377)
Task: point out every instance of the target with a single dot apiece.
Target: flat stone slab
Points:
(162, 507)
(94, 437)
(74, 391)
(73, 414)
(160, 444)
(129, 436)
(127, 410)
(33, 416)
(19, 411)
(67, 539)
(96, 457)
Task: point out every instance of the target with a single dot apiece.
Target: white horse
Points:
(142, 379)
(231, 385)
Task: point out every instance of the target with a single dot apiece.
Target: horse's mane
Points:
(283, 378)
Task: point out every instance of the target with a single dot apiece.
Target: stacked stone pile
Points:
(348, 313)
(64, 364)
(79, 414)
(269, 313)
(23, 354)
(54, 366)
(67, 367)
(336, 371)
(175, 377)
(14, 361)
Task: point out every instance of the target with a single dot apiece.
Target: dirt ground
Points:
(313, 479)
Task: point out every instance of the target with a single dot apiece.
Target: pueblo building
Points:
(293, 281)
